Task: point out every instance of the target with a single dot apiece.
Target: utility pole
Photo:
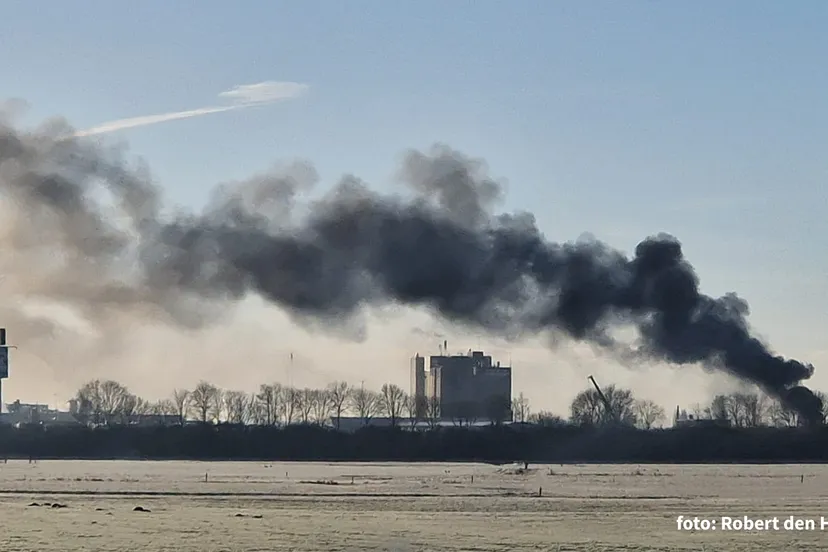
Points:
(4, 363)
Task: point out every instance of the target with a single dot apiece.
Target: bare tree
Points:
(115, 400)
(166, 408)
(236, 406)
(735, 410)
(131, 406)
(88, 399)
(622, 402)
(307, 400)
(741, 409)
(218, 405)
(202, 400)
(109, 394)
(180, 401)
(756, 409)
(105, 402)
(546, 419)
(648, 414)
(339, 393)
(588, 407)
(392, 401)
(291, 404)
(782, 416)
(253, 410)
(321, 406)
(520, 408)
(141, 407)
(432, 411)
(163, 409)
(270, 400)
(719, 408)
(366, 404)
(412, 409)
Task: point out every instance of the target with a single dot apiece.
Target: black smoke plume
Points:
(326, 259)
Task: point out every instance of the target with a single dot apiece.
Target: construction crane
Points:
(609, 410)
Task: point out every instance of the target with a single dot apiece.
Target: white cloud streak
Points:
(240, 97)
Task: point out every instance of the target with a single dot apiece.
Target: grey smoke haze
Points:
(86, 229)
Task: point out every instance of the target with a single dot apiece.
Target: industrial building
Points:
(461, 387)
(683, 419)
(18, 413)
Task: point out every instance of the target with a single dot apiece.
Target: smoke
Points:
(85, 229)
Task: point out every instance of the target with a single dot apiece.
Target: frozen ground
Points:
(243, 507)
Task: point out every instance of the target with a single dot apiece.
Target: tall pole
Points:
(4, 364)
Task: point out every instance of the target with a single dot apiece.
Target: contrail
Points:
(445, 249)
(244, 96)
(132, 122)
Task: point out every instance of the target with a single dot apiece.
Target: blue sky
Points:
(623, 119)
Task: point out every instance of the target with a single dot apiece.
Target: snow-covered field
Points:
(240, 507)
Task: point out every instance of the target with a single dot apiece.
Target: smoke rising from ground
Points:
(84, 228)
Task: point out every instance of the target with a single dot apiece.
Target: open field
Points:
(426, 507)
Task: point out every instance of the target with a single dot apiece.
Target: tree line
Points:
(753, 410)
(284, 423)
(108, 402)
(742, 409)
(488, 443)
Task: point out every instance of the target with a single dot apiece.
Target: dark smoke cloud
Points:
(443, 249)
